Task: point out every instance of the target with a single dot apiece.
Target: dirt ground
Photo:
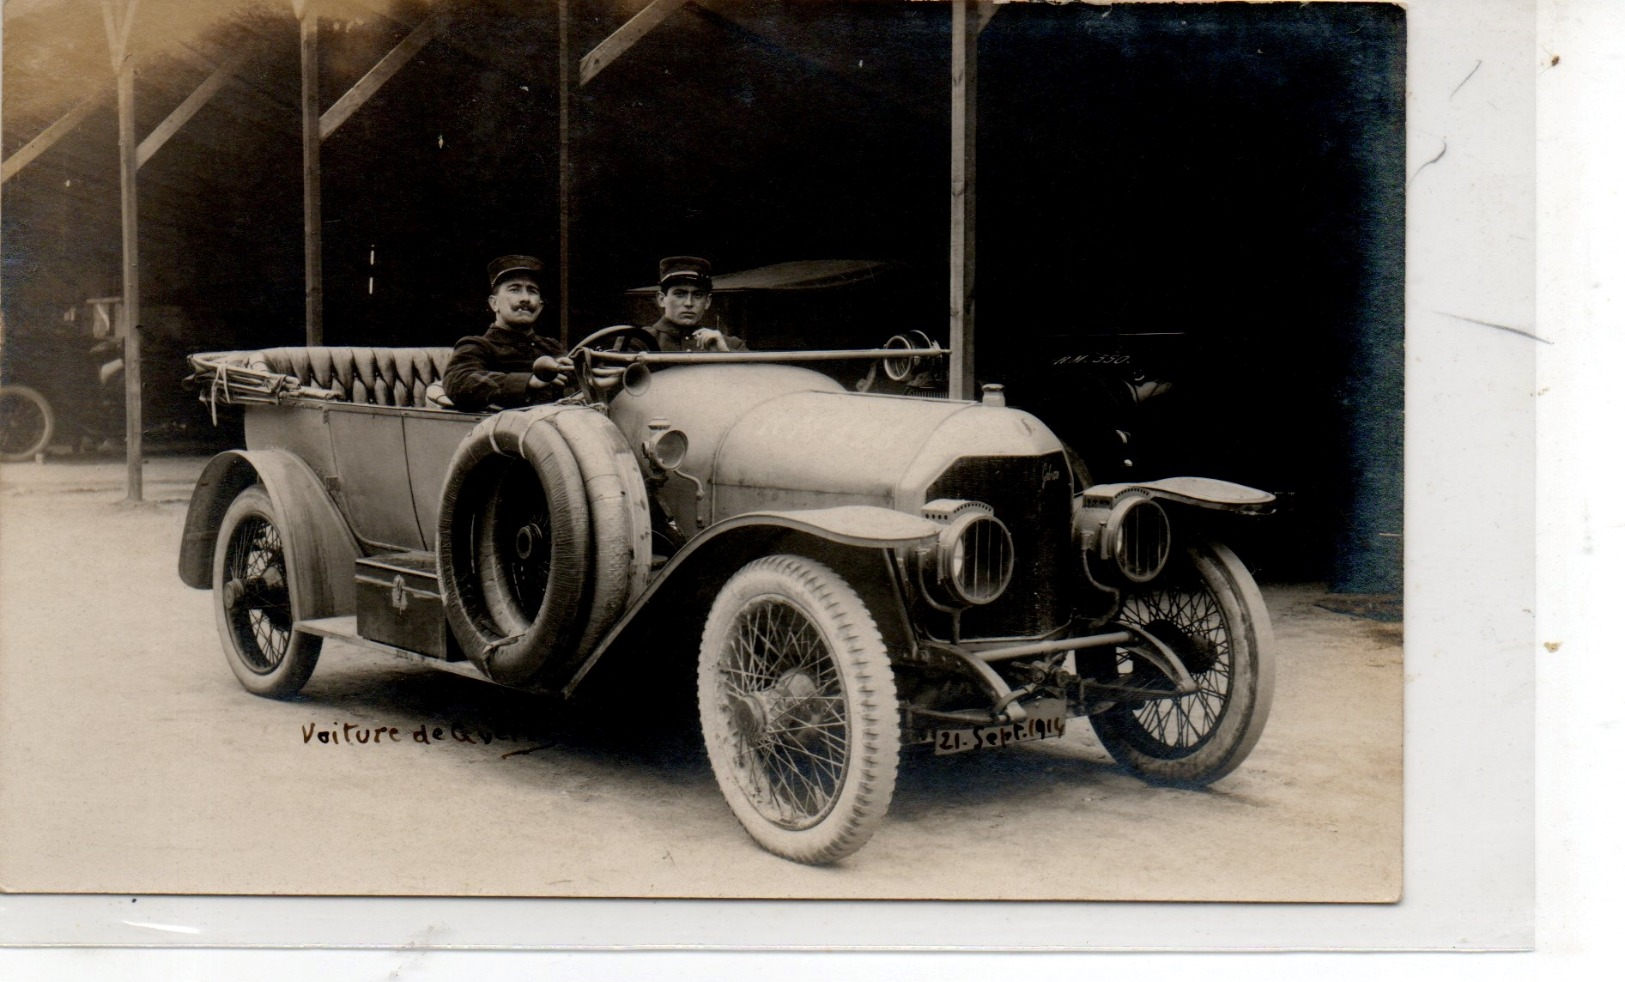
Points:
(132, 762)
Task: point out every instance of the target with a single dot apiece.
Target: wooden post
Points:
(311, 118)
(564, 171)
(962, 202)
(118, 21)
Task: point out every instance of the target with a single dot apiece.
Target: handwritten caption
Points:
(356, 734)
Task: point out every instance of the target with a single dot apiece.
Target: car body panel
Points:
(384, 465)
(430, 440)
(369, 457)
(855, 526)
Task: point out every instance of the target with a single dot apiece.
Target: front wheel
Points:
(1208, 611)
(253, 604)
(798, 707)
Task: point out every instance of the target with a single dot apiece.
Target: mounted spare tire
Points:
(514, 537)
(543, 538)
(618, 504)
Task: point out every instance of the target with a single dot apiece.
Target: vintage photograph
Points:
(830, 449)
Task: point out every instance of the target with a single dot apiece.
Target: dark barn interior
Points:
(1215, 190)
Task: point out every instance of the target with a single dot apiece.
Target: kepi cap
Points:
(685, 269)
(503, 267)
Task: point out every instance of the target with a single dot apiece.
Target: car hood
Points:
(770, 436)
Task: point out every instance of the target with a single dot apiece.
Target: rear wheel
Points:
(798, 707)
(253, 604)
(1208, 611)
(26, 422)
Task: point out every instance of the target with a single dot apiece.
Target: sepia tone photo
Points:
(703, 448)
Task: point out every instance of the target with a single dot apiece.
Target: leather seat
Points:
(373, 376)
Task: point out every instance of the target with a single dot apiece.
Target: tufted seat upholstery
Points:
(376, 376)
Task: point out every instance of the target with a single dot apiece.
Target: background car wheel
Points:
(253, 605)
(798, 708)
(1209, 611)
(26, 422)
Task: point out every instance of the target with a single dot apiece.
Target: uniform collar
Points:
(502, 332)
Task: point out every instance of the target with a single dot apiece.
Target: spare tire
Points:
(619, 507)
(515, 545)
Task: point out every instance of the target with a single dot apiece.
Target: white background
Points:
(1474, 645)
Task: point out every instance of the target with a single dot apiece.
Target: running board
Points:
(343, 629)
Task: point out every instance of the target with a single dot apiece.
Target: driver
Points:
(684, 295)
(510, 364)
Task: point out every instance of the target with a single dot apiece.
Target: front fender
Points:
(855, 540)
(1198, 492)
(317, 543)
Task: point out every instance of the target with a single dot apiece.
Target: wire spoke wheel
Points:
(26, 422)
(256, 596)
(1208, 612)
(253, 599)
(799, 709)
(788, 714)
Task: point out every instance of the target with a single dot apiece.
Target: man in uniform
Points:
(684, 295)
(510, 364)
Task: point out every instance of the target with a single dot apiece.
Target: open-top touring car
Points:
(879, 571)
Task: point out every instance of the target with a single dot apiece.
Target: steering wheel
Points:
(598, 384)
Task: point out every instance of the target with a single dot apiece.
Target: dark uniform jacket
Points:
(494, 369)
(672, 337)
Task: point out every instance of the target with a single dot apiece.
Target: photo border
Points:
(1470, 634)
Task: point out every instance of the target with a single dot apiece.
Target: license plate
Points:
(958, 741)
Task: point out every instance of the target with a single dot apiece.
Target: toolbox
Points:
(398, 602)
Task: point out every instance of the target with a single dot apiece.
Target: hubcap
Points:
(255, 594)
(1198, 653)
(1191, 624)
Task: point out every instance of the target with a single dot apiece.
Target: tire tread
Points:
(873, 722)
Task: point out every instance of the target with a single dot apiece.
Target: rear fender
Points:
(857, 541)
(319, 548)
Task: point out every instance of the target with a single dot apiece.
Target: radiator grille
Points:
(1033, 497)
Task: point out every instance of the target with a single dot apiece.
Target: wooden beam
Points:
(483, 55)
(310, 125)
(247, 82)
(48, 138)
(923, 104)
(188, 108)
(382, 72)
(118, 42)
(962, 207)
(984, 14)
(625, 36)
